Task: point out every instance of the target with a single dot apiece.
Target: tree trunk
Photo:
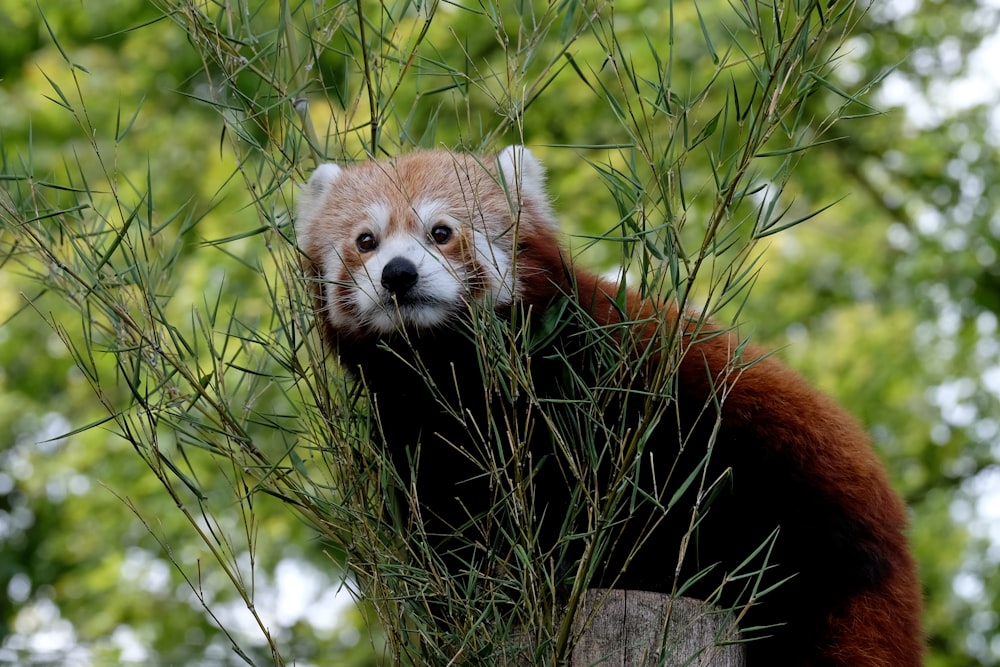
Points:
(621, 628)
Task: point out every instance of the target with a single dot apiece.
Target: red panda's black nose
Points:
(399, 275)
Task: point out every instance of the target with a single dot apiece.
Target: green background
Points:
(888, 300)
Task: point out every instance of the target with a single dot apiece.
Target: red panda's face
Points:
(409, 243)
(411, 263)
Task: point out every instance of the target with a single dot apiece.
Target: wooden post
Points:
(621, 628)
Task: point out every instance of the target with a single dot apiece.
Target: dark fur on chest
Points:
(543, 437)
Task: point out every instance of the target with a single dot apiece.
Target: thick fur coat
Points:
(401, 251)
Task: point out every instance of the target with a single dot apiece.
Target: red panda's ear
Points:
(522, 173)
(325, 175)
(313, 193)
(523, 176)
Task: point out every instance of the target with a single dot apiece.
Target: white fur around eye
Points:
(369, 306)
(376, 218)
(429, 211)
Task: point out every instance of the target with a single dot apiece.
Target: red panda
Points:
(400, 250)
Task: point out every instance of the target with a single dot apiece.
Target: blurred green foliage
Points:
(888, 300)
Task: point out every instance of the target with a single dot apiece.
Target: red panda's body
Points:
(402, 248)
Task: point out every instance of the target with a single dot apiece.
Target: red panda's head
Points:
(409, 242)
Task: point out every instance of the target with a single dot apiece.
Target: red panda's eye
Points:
(441, 234)
(366, 242)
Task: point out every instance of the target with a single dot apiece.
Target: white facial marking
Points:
(499, 268)
(377, 214)
(429, 211)
(492, 259)
(433, 300)
(477, 256)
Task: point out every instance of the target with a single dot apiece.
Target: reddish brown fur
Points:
(880, 628)
(767, 410)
